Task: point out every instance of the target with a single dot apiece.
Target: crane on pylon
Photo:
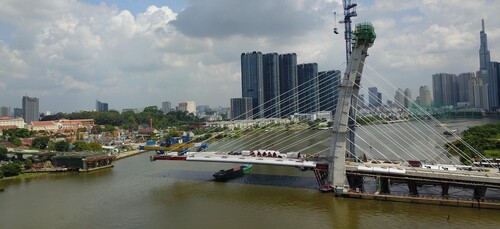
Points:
(349, 12)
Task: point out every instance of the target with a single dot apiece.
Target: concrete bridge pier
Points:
(356, 182)
(479, 192)
(444, 190)
(412, 187)
(383, 185)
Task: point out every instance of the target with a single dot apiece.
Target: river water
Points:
(138, 193)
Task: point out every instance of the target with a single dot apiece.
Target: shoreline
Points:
(129, 154)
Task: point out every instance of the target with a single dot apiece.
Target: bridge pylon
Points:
(364, 36)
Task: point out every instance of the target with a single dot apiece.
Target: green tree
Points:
(94, 147)
(1, 174)
(109, 128)
(62, 146)
(28, 164)
(81, 146)
(17, 141)
(3, 152)
(11, 169)
(40, 142)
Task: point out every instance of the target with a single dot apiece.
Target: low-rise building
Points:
(49, 126)
(9, 121)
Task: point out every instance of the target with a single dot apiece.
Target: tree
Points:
(81, 146)
(17, 141)
(109, 128)
(62, 146)
(3, 152)
(40, 142)
(11, 169)
(28, 164)
(94, 147)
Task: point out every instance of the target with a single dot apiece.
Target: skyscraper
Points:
(445, 89)
(328, 82)
(425, 96)
(189, 106)
(373, 98)
(478, 93)
(399, 98)
(5, 112)
(30, 109)
(408, 99)
(241, 108)
(463, 86)
(100, 106)
(484, 64)
(271, 83)
(166, 107)
(252, 80)
(494, 85)
(288, 84)
(307, 75)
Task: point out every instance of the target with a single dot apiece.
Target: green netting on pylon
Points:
(364, 33)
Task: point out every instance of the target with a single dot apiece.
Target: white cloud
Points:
(11, 64)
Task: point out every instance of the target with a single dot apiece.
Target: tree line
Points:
(130, 120)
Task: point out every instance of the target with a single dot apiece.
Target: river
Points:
(137, 193)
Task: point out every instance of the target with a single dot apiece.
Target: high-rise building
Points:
(288, 84)
(379, 99)
(399, 98)
(271, 85)
(425, 99)
(374, 100)
(484, 64)
(478, 93)
(5, 112)
(494, 85)
(408, 99)
(189, 106)
(463, 86)
(166, 107)
(241, 108)
(361, 101)
(30, 109)
(328, 84)
(100, 106)
(18, 112)
(252, 80)
(444, 89)
(307, 75)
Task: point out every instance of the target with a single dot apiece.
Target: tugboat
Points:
(238, 171)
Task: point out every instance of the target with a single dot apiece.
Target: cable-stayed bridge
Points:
(410, 149)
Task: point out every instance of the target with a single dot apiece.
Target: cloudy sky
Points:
(136, 53)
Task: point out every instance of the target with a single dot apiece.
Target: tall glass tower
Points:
(484, 65)
(271, 85)
(288, 84)
(307, 75)
(252, 81)
(31, 111)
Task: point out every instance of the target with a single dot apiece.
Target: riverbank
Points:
(129, 154)
(24, 176)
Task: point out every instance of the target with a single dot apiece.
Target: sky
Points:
(138, 53)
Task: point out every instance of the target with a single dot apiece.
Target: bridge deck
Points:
(449, 173)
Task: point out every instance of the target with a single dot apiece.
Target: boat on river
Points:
(238, 171)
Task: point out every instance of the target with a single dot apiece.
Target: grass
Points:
(23, 176)
(492, 153)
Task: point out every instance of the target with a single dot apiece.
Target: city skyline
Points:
(134, 55)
